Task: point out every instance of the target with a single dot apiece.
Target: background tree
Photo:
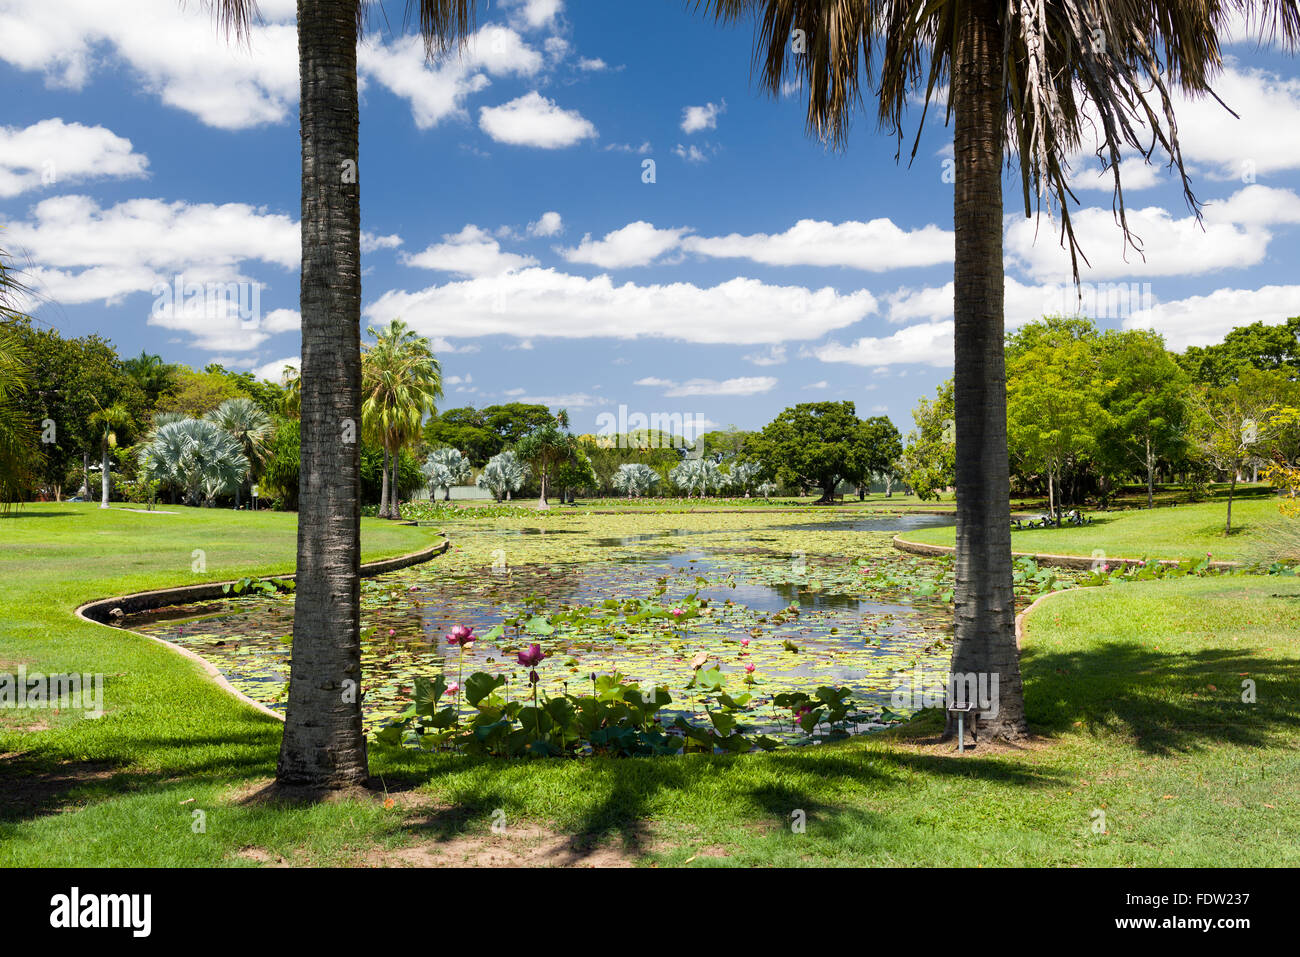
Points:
(503, 475)
(877, 446)
(20, 452)
(248, 424)
(544, 449)
(1243, 419)
(1054, 390)
(107, 422)
(1145, 397)
(152, 375)
(445, 468)
(1032, 77)
(929, 460)
(635, 479)
(197, 456)
(813, 443)
(400, 380)
(1256, 346)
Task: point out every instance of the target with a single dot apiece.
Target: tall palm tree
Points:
(400, 382)
(250, 426)
(1036, 73)
(324, 745)
(107, 421)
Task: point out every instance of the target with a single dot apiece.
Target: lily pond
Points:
(744, 608)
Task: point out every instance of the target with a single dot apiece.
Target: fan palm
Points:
(502, 475)
(400, 380)
(324, 742)
(697, 475)
(196, 455)
(635, 478)
(1027, 76)
(445, 468)
(250, 426)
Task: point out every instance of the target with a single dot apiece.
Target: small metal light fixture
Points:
(254, 498)
(961, 710)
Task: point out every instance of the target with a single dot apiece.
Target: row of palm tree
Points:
(1045, 71)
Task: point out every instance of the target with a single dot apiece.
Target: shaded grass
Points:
(1136, 686)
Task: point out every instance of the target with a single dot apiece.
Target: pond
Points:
(785, 605)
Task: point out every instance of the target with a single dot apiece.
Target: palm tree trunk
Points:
(985, 633)
(383, 494)
(395, 499)
(85, 471)
(324, 745)
(104, 479)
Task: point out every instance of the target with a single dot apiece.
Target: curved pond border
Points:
(99, 611)
(1056, 561)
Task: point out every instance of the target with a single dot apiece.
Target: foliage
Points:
(445, 468)
(930, 458)
(196, 456)
(821, 444)
(635, 479)
(503, 475)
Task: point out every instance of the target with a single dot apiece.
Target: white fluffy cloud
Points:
(925, 343)
(53, 153)
(273, 371)
(470, 252)
(178, 53)
(534, 302)
(1203, 320)
(88, 253)
(875, 246)
(696, 118)
(534, 120)
(535, 14)
(636, 244)
(741, 386)
(1234, 235)
(548, 224)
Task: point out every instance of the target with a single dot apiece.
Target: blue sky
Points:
(506, 214)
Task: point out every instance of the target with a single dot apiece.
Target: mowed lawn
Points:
(1136, 690)
(1182, 531)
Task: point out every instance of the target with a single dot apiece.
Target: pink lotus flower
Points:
(749, 669)
(532, 657)
(453, 688)
(678, 612)
(460, 635)
(391, 632)
(744, 642)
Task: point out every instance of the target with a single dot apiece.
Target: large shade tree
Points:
(324, 743)
(1027, 80)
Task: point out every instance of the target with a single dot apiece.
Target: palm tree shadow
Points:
(1165, 702)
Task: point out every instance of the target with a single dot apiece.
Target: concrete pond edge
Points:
(99, 611)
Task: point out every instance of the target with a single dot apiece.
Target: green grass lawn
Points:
(1136, 689)
(1183, 531)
